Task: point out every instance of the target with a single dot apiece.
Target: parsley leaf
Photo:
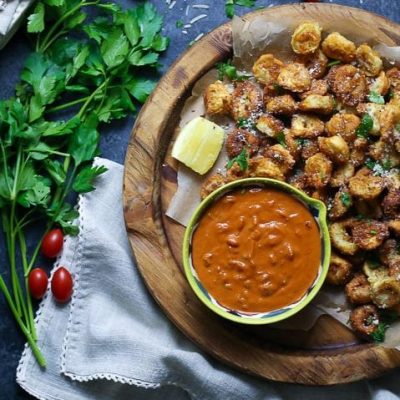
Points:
(179, 24)
(242, 160)
(84, 142)
(378, 335)
(332, 63)
(345, 199)
(375, 97)
(245, 123)
(281, 139)
(36, 20)
(230, 9)
(230, 71)
(83, 182)
(365, 126)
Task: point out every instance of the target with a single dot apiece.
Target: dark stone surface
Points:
(115, 138)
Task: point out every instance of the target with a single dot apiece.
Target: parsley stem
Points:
(91, 97)
(44, 45)
(35, 349)
(5, 165)
(36, 251)
(67, 105)
(30, 321)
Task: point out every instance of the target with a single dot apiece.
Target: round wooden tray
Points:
(329, 353)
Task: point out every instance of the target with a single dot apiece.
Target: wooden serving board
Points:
(329, 353)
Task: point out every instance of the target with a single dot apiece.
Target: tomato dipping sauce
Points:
(256, 249)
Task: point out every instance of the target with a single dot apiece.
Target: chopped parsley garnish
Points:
(373, 232)
(387, 317)
(365, 126)
(301, 141)
(386, 164)
(230, 71)
(281, 139)
(373, 261)
(378, 168)
(278, 89)
(242, 160)
(370, 164)
(179, 24)
(375, 97)
(378, 335)
(332, 63)
(245, 123)
(230, 6)
(345, 199)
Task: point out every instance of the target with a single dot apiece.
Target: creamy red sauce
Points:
(256, 250)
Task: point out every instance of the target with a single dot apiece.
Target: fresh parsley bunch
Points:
(91, 70)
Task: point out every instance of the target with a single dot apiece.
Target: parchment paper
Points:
(251, 38)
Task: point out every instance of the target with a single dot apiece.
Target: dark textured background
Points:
(114, 141)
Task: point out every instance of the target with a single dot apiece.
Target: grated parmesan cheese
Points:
(198, 18)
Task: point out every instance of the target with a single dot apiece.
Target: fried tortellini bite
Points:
(358, 290)
(335, 147)
(246, 100)
(341, 238)
(341, 203)
(306, 38)
(316, 103)
(369, 235)
(282, 105)
(318, 170)
(369, 60)
(264, 167)
(385, 289)
(344, 125)
(217, 99)
(266, 69)
(240, 139)
(269, 125)
(365, 320)
(340, 271)
(349, 84)
(365, 185)
(212, 183)
(306, 126)
(339, 48)
(295, 77)
(281, 157)
(380, 84)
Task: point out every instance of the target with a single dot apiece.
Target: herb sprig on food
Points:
(242, 160)
(230, 6)
(226, 69)
(93, 72)
(365, 126)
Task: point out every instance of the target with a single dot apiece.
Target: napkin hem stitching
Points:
(76, 285)
(113, 377)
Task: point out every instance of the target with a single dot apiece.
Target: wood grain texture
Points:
(326, 355)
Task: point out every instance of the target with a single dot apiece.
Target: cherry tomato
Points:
(37, 282)
(61, 285)
(52, 243)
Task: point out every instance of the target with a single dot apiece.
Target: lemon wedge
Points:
(198, 144)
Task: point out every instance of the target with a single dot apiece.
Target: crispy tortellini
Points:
(327, 121)
(306, 38)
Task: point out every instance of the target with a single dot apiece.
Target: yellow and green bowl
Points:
(316, 208)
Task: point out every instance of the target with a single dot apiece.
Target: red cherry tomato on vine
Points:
(62, 285)
(52, 243)
(37, 282)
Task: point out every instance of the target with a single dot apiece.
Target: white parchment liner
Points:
(251, 38)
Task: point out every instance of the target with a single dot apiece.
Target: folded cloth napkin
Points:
(11, 15)
(113, 342)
